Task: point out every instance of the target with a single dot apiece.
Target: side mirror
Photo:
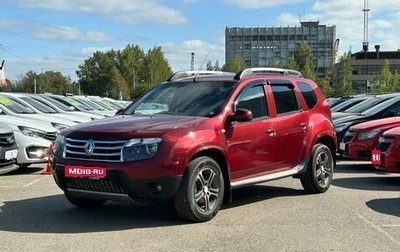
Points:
(119, 112)
(242, 115)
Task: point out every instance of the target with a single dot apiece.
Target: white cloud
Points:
(68, 34)
(126, 11)
(258, 4)
(179, 55)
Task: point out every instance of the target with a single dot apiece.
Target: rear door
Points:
(290, 123)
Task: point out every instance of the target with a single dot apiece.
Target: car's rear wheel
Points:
(201, 191)
(83, 202)
(319, 174)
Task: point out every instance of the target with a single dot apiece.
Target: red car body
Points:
(362, 138)
(389, 145)
(165, 144)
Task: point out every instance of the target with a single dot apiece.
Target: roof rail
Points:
(184, 74)
(266, 70)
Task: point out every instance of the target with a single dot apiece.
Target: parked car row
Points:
(370, 128)
(31, 122)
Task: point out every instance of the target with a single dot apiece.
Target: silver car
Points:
(33, 138)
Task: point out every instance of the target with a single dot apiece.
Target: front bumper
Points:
(118, 186)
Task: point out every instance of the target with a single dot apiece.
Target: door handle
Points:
(303, 125)
(271, 132)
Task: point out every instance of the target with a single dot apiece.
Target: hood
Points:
(349, 118)
(14, 122)
(48, 118)
(379, 123)
(126, 126)
(336, 115)
(393, 132)
(5, 129)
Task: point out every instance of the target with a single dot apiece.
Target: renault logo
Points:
(89, 147)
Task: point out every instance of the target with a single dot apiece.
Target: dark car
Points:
(194, 138)
(366, 104)
(349, 103)
(388, 108)
(8, 149)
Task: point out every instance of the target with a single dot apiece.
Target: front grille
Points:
(384, 143)
(101, 150)
(7, 139)
(51, 136)
(97, 185)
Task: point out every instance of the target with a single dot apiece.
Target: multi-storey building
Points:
(367, 65)
(259, 46)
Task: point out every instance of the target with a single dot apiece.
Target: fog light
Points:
(36, 152)
(158, 188)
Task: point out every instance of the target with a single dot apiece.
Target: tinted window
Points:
(308, 94)
(285, 98)
(184, 98)
(254, 100)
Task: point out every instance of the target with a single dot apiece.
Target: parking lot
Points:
(360, 212)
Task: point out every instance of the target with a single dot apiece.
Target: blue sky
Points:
(58, 35)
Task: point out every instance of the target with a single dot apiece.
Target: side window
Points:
(308, 94)
(254, 100)
(285, 98)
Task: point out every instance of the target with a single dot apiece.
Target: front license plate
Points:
(342, 146)
(11, 154)
(75, 171)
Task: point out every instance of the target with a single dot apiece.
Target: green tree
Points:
(155, 68)
(385, 83)
(216, 66)
(235, 64)
(96, 76)
(302, 61)
(342, 82)
(209, 66)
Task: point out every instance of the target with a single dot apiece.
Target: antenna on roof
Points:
(202, 63)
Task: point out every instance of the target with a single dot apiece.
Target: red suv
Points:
(198, 135)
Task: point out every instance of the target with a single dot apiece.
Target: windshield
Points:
(189, 99)
(380, 107)
(38, 105)
(364, 105)
(15, 106)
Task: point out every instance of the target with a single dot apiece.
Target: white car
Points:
(68, 101)
(8, 149)
(32, 137)
(42, 108)
(62, 108)
(11, 106)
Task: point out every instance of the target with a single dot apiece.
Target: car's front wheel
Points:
(83, 202)
(201, 191)
(319, 174)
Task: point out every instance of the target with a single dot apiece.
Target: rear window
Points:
(285, 98)
(308, 94)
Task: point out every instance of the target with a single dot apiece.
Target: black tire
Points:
(201, 191)
(24, 166)
(83, 202)
(319, 174)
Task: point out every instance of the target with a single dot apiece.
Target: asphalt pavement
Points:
(360, 212)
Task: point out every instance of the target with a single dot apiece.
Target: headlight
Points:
(341, 127)
(59, 126)
(368, 134)
(32, 132)
(58, 145)
(138, 149)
